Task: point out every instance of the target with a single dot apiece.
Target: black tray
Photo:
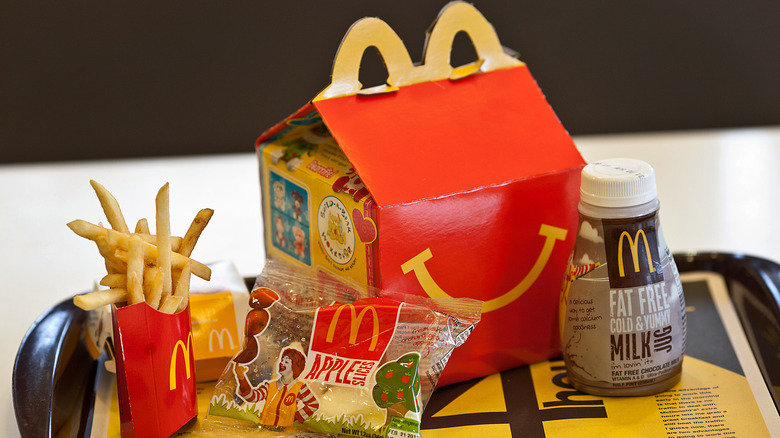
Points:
(54, 374)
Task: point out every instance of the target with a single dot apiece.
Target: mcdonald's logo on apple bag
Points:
(362, 329)
(348, 341)
(355, 320)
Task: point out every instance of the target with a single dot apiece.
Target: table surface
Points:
(719, 191)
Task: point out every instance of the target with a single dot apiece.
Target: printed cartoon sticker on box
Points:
(446, 181)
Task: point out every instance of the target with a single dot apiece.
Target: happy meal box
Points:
(444, 182)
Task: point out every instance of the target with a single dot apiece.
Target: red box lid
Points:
(446, 136)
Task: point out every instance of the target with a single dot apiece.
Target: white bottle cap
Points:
(618, 182)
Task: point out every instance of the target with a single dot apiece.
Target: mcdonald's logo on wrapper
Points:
(220, 336)
(348, 340)
(632, 252)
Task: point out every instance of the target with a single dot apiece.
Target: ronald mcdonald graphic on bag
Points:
(282, 396)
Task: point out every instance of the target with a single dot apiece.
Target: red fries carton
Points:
(445, 182)
(155, 370)
(152, 349)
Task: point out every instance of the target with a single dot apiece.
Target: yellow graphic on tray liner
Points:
(707, 399)
(479, 398)
(429, 285)
(471, 431)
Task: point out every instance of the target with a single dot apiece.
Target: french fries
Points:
(135, 271)
(110, 207)
(140, 266)
(193, 233)
(100, 298)
(114, 280)
(113, 246)
(164, 240)
(142, 226)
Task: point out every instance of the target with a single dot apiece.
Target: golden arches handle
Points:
(365, 33)
(463, 17)
(373, 32)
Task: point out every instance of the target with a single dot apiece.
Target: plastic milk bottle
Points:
(622, 311)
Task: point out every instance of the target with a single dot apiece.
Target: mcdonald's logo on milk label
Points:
(632, 251)
(349, 340)
(186, 354)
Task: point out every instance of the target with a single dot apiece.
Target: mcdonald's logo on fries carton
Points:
(349, 340)
(445, 181)
(155, 370)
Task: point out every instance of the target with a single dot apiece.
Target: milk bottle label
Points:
(622, 306)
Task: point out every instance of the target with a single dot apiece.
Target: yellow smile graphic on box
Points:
(429, 285)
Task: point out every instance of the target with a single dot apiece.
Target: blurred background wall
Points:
(105, 79)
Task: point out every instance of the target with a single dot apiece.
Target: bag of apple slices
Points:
(320, 355)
